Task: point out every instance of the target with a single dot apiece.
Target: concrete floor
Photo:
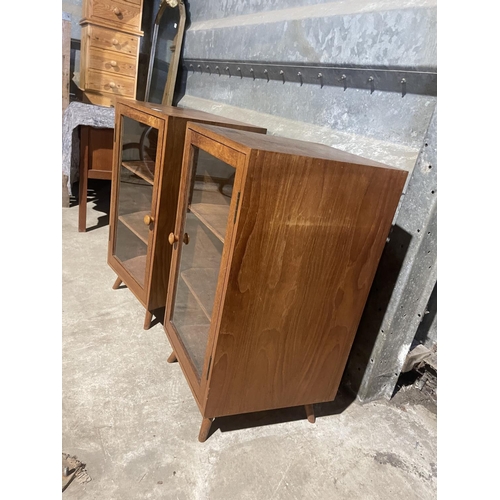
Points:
(131, 418)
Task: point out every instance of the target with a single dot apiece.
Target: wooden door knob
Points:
(172, 238)
(114, 41)
(148, 220)
(113, 63)
(185, 239)
(112, 85)
(117, 11)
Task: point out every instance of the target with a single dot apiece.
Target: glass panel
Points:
(201, 253)
(167, 27)
(135, 193)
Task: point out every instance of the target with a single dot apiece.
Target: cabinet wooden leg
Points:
(204, 429)
(117, 283)
(310, 413)
(147, 320)
(172, 358)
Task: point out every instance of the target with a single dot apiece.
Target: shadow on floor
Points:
(98, 199)
(271, 417)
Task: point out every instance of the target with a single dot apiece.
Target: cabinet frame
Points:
(299, 257)
(143, 293)
(237, 160)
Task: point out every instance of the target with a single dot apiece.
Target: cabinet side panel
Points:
(309, 238)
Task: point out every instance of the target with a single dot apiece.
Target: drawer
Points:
(117, 64)
(104, 82)
(125, 14)
(116, 41)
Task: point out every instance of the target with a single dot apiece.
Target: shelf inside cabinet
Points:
(135, 222)
(202, 283)
(192, 324)
(136, 267)
(145, 169)
(215, 217)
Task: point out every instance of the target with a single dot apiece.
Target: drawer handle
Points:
(185, 239)
(114, 41)
(148, 220)
(172, 238)
(112, 85)
(113, 63)
(117, 11)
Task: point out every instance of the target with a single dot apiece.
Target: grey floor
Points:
(130, 416)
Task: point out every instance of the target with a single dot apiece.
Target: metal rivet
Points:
(209, 70)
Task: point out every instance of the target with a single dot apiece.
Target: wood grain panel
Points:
(119, 13)
(112, 40)
(113, 84)
(309, 238)
(119, 64)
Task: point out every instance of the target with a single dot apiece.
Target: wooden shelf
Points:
(202, 283)
(143, 168)
(135, 223)
(136, 267)
(192, 324)
(213, 216)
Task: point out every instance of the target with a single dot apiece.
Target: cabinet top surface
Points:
(162, 111)
(244, 141)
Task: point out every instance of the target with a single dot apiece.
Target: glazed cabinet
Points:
(275, 246)
(147, 159)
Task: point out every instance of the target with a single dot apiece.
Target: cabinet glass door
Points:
(202, 244)
(138, 153)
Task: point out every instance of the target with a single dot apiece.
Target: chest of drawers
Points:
(111, 32)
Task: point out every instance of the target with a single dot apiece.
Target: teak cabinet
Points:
(147, 159)
(275, 247)
(111, 35)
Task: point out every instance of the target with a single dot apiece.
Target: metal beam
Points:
(374, 79)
